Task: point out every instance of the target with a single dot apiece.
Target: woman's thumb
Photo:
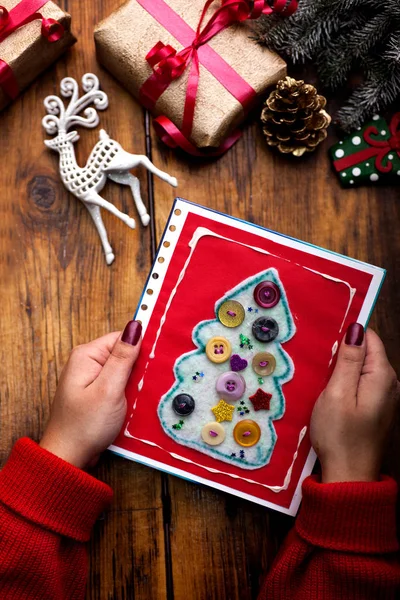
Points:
(350, 361)
(122, 358)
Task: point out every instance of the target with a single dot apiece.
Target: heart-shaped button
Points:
(238, 363)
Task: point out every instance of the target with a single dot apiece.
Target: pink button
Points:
(230, 386)
(267, 294)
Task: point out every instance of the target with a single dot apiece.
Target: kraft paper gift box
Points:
(124, 39)
(26, 51)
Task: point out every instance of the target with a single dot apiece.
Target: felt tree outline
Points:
(196, 360)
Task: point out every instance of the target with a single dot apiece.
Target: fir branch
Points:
(338, 35)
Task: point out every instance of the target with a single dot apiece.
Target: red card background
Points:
(318, 306)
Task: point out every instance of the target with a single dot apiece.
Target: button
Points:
(218, 349)
(230, 386)
(231, 313)
(264, 364)
(267, 294)
(183, 405)
(247, 433)
(265, 329)
(213, 434)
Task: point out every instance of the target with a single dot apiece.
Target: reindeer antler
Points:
(61, 118)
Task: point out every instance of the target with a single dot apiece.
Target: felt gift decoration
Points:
(370, 154)
(192, 64)
(228, 393)
(33, 34)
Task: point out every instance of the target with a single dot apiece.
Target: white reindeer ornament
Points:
(107, 160)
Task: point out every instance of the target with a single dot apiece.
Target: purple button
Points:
(230, 386)
(267, 294)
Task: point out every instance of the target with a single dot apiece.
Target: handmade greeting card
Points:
(241, 326)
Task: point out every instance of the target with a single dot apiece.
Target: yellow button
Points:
(247, 433)
(213, 434)
(231, 313)
(264, 364)
(218, 349)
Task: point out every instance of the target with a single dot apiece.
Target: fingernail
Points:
(355, 335)
(132, 333)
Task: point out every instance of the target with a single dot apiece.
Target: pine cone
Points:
(294, 118)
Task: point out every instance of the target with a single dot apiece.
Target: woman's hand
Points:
(352, 418)
(89, 406)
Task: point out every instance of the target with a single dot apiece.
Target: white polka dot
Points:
(340, 143)
(390, 156)
(356, 171)
(358, 128)
(339, 153)
(367, 164)
(398, 172)
(356, 140)
(351, 181)
(374, 177)
(383, 132)
(344, 174)
(375, 117)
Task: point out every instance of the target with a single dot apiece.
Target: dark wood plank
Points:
(220, 545)
(57, 292)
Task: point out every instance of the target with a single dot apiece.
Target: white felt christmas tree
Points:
(229, 391)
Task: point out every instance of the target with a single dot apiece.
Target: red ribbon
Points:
(378, 148)
(25, 12)
(168, 64)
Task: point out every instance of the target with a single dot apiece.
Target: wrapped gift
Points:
(370, 154)
(192, 64)
(33, 34)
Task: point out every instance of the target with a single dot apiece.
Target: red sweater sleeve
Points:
(343, 546)
(47, 511)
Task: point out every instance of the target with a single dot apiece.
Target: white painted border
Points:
(150, 301)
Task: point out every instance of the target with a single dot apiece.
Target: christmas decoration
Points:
(150, 44)
(293, 117)
(261, 400)
(339, 37)
(33, 34)
(214, 422)
(108, 160)
(370, 154)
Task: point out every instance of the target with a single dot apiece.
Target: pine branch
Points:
(370, 98)
(338, 35)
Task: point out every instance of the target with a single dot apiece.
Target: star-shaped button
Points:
(261, 400)
(223, 411)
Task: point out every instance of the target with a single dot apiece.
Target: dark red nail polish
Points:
(132, 333)
(355, 335)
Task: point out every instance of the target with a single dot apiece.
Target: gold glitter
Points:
(223, 411)
(231, 313)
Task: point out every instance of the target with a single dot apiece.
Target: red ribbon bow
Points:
(168, 64)
(378, 148)
(25, 12)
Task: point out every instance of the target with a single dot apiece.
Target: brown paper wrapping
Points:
(27, 52)
(125, 37)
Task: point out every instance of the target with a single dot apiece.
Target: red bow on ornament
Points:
(168, 64)
(378, 148)
(10, 21)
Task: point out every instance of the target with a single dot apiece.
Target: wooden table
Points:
(164, 538)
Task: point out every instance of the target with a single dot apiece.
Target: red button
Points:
(267, 294)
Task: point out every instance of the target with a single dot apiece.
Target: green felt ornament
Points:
(369, 155)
